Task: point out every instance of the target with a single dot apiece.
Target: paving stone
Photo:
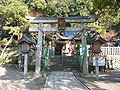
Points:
(63, 81)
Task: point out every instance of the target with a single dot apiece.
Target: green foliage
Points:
(13, 14)
(58, 7)
(106, 4)
(10, 54)
(108, 9)
(2, 60)
(54, 8)
(115, 26)
(37, 4)
(100, 28)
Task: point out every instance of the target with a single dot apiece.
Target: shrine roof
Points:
(97, 37)
(69, 35)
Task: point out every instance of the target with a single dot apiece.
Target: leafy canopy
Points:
(13, 14)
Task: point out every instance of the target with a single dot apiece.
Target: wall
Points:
(114, 61)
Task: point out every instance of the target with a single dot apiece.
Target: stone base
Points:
(37, 75)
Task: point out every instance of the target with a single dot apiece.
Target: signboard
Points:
(101, 61)
(61, 23)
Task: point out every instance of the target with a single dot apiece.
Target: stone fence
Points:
(113, 61)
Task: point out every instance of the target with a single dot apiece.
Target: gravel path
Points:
(11, 79)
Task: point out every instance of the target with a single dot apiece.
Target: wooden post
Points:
(85, 63)
(39, 52)
(25, 65)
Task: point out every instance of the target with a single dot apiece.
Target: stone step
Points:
(64, 62)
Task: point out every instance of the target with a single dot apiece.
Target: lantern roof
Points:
(97, 37)
(27, 39)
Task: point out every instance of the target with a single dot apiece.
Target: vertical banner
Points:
(82, 56)
(47, 57)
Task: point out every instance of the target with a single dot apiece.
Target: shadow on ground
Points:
(11, 79)
(110, 81)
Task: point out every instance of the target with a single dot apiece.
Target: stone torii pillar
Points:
(39, 51)
(85, 63)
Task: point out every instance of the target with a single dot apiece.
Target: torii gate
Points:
(48, 20)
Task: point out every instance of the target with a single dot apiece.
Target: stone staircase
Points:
(64, 63)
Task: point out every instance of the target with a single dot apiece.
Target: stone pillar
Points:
(39, 51)
(25, 65)
(85, 63)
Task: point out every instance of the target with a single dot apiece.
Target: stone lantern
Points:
(26, 43)
(96, 43)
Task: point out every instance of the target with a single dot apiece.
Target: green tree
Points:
(13, 14)
(54, 8)
(108, 10)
